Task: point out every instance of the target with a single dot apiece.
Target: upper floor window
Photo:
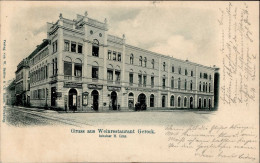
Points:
(163, 83)
(95, 48)
(140, 61)
(172, 68)
(114, 55)
(131, 78)
(200, 75)
(78, 69)
(55, 46)
(209, 87)
(152, 81)
(191, 73)
(117, 73)
(80, 49)
(164, 66)
(131, 59)
(119, 57)
(94, 72)
(110, 75)
(67, 45)
(109, 55)
(153, 63)
(145, 61)
(139, 79)
(172, 83)
(179, 70)
(179, 83)
(185, 84)
(205, 75)
(186, 72)
(191, 85)
(200, 86)
(144, 80)
(73, 46)
(209, 77)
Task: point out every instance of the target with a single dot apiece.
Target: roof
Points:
(39, 48)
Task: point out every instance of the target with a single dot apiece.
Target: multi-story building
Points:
(83, 67)
(22, 85)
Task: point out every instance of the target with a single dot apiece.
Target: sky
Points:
(179, 29)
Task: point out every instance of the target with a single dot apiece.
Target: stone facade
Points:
(81, 67)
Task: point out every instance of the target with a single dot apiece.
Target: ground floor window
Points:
(152, 101)
(179, 101)
(185, 101)
(172, 100)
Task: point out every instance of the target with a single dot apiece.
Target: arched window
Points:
(164, 66)
(179, 101)
(153, 63)
(95, 48)
(185, 84)
(172, 100)
(206, 89)
(203, 86)
(205, 103)
(185, 102)
(179, 83)
(200, 87)
(172, 83)
(179, 70)
(191, 85)
(191, 73)
(131, 59)
(131, 100)
(172, 68)
(145, 61)
(140, 61)
(152, 100)
(186, 72)
(209, 87)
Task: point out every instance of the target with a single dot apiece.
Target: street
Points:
(21, 116)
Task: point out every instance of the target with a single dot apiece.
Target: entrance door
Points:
(191, 102)
(114, 100)
(163, 101)
(53, 96)
(95, 99)
(142, 101)
(73, 99)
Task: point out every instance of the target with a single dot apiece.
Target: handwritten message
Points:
(239, 60)
(227, 142)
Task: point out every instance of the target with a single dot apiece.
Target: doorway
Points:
(142, 101)
(73, 99)
(53, 96)
(114, 100)
(94, 95)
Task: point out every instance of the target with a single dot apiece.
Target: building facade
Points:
(82, 67)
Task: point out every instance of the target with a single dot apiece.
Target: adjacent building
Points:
(81, 66)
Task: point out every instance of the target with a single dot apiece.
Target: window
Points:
(179, 83)
(164, 66)
(179, 70)
(114, 55)
(203, 86)
(200, 75)
(179, 101)
(95, 72)
(152, 100)
(145, 61)
(139, 79)
(66, 45)
(78, 70)
(67, 68)
(73, 47)
(153, 63)
(131, 78)
(131, 59)
(56, 67)
(185, 102)
(209, 87)
(186, 72)
(110, 75)
(172, 68)
(200, 87)
(206, 89)
(140, 61)
(172, 100)
(144, 81)
(46, 71)
(205, 75)
(95, 48)
(185, 84)
(117, 73)
(209, 77)
(191, 73)
(119, 57)
(109, 55)
(55, 46)
(80, 48)
(191, 85)
(152, 81)
(172, 83)
(163, 83)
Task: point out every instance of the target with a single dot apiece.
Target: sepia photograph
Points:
(167, 81)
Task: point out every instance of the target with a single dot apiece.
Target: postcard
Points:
(143, 81)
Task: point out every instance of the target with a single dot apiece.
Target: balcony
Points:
(67, 77)
(78, 78)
